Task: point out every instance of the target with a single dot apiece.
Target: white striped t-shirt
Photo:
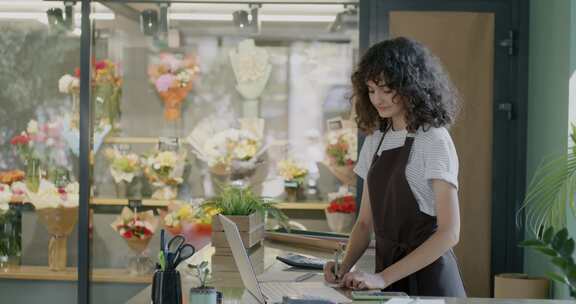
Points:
(433, 156)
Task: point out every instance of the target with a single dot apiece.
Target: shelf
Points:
(163, 203)
(105, 275)
(132, 140)
(99, 201)
(155, 140)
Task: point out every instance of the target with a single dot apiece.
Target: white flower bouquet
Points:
(124, 167)
(164, 171)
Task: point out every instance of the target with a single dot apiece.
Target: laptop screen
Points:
(241, 258)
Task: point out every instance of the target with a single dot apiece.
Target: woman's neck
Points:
(398, 122)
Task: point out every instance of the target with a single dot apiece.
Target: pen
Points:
(336, 262)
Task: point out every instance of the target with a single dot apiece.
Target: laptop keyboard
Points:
(274, 291)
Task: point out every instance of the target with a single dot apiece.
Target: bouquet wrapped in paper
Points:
(172, 77)
(57, 209)
(294, 175)
(341, 153)
(124, 167)
(252, 70)
(189, 220)
(164, 171)
(5, 197)
(136, 228)
(227, 151)
(106, 91)
(341, 212)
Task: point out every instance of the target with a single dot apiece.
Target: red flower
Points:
(127, 234)
(61, 190)
(21, 139)
(77, 72)
(100, 65)
(346, 204)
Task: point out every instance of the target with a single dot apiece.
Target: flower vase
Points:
(139, 263)
(294, 191)
(33, 174)
(340, 222)
(59, 222)
(11, 237)
(121, 189)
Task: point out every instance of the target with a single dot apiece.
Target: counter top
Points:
(231, 285)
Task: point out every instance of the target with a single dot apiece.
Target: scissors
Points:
(177, 251)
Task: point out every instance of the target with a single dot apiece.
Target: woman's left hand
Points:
(359, 280)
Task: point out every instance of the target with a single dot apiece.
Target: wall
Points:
(550, 66)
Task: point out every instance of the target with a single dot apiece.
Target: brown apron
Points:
(401, 227)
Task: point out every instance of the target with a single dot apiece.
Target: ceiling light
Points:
(149, 22)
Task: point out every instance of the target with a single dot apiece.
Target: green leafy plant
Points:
(560, 248)
(238, 201)
(549, 198)
(202, 272)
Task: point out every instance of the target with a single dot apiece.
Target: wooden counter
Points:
(42, 273)
(231, 285)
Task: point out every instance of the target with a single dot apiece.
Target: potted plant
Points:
(545, 207)
(202, 294)
(247, 210)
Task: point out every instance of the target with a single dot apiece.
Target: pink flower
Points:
(100, 65)
(164, 82)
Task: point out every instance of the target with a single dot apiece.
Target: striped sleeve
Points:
(441, 160)
(365, 157)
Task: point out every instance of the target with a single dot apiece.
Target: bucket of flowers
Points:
(341, 213)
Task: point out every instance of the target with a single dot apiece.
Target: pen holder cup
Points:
(166, 287)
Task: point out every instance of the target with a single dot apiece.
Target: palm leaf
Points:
(552, 187)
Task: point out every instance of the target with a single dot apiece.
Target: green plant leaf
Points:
(547, 251)
(560, 239)
(556, 277)
(560, 263)
(547, 237)
(568, 248)
(532, 243)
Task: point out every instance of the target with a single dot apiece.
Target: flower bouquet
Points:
(10, 229)
(252, 70)
(230, 152)
(107, 92)
(124, 167)
(294, 175)
(341, 213)
(164, 171)
(137, 229)
(43, 150)
(193, 222)
(172, 77)
(57, 209)
(341, 152)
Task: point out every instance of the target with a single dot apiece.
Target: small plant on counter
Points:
(236, 201)
(201, 272)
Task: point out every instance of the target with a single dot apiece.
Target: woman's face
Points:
(384, 100)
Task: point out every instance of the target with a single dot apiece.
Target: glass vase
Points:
(33, 174)
(10, 237)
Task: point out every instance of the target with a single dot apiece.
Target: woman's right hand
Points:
(329, 275)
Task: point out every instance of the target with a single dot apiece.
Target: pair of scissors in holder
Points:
(177, 251)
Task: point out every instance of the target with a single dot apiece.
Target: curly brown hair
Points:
(415, 75)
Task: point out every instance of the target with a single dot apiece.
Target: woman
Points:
(404, 102)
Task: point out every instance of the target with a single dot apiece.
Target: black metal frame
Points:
(84, 268)
(509, 136)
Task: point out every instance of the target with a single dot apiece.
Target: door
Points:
(470, 38)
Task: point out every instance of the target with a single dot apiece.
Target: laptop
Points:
(272, 292)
